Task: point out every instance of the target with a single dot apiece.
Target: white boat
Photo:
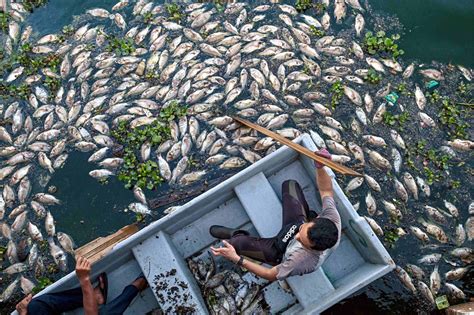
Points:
(248, 200)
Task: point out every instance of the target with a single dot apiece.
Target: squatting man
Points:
(303, 243)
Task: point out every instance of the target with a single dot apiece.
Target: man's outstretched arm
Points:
(228, 251)
(83, 270)
(323, 179)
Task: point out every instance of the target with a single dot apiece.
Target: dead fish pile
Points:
(226, 292)
(219, 64)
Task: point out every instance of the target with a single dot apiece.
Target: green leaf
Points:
(388, 42)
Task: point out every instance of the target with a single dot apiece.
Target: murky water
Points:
(433, 30)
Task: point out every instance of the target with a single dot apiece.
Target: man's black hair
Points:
(322, 234)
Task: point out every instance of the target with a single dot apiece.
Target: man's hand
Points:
(83, 269)
(228, 251)
(324, 153)
(22, 306)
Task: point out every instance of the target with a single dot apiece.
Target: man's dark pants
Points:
(57, 303)
(269, 250)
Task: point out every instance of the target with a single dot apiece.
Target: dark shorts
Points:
(271, 250)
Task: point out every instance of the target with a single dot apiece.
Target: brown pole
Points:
(331, 164)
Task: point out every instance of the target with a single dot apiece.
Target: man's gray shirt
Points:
(299, 260)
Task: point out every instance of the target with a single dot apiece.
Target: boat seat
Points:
(261, 203)
(277, 298)
(167, 273)
(311, 287)
(343, 261)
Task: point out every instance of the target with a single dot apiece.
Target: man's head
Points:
(319, 234)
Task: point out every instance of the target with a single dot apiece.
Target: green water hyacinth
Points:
(133, 172)
(174, 12)
(4, 19)
(380, 43)
(337, 91)
(373, 77)
(121, 46)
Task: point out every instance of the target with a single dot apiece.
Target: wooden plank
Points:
(333, 165)
(101, 246)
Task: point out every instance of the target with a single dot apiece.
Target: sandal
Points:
(105, 284)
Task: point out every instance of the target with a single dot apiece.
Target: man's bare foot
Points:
(140, 283)
(98, 296)
(98, 292)
(22, 306)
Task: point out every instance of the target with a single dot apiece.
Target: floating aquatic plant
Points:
(147, 17)
(30, 5)
(316, 31)
(133, 172)
(172, 111)
(121, 46)
(303, 5)
(430, 163)
(68, 30)
(402, 89)
(4, 20)
(391, 237)
(380, 43)
(43, 282)
(450, 116)
(396, 120)
(174, 12)
(9, 90)
(464, 89)
(373, 77)
(53, 84)
(433, 97)
(337, 91)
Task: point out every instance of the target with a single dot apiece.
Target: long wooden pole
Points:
(331, 164)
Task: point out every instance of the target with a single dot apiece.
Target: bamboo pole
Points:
(331, 164)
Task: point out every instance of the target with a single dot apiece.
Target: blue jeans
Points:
(57, 303)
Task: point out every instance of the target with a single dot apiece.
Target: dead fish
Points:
(58, 254)
(456, 274)
(454, 291)
(46, 199)
(8, 292)
(425, 188)
(434, 230)
(405, 279)
(66, 242)
(419, 233)
(139, 208)
(426, 292)
(178, 171)
(451, 208)
(435, 281)
(49, 224)
(374, 226)
(35, 233)
(415, 271)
